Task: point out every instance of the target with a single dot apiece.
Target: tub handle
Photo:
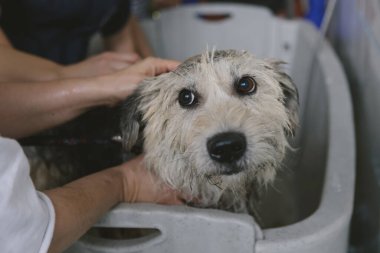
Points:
(182, 227)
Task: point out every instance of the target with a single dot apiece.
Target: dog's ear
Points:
(131, 125)
(290, 96)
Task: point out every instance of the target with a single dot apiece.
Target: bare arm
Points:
(27, 108)
(18, 66)
(131, 39)
(4, 41)
(80, 204)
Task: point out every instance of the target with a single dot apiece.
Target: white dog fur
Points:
(175, 137)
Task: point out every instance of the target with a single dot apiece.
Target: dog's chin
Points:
(229, 170)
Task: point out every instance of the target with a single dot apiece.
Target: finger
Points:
(128, 57)
(170, 199)
(168, 196)
(176, 202)
(125, 57)
(163, 66)
(153, 66)
(118, 65)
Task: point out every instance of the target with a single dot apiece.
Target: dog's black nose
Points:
(227, 147)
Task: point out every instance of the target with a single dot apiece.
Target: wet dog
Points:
(216, 128)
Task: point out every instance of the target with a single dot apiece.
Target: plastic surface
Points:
(182, 229)
(355, 32)
(310, 208)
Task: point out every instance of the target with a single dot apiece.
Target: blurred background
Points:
(310, 9)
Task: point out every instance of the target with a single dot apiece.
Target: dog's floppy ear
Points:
(290, 96)
(131, 121)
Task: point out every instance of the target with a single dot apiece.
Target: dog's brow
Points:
(234, 72)
(188, 78)
(181, 70)
(177, 73)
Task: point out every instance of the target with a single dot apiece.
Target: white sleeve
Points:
(27, 216)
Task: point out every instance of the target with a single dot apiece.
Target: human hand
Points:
(152, 66)
(102, 64)
(140, 185)
(117, 86)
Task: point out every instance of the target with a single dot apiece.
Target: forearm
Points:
(130, 39)
(27, 108)
(4, 41)
(18, 66)
(80, 204)
(140, 40)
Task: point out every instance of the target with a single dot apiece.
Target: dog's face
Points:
(218, 121)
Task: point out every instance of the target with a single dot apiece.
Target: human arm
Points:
(129, 39)
(4, 41)
(27, 108)
(78, 205)
(18, 66)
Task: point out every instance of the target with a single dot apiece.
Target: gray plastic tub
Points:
(309, 208)
(355, 32)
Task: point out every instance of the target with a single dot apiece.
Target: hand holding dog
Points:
(102, 64)
(31, 107)
(140, 185)
(115, 87)
(79, 204)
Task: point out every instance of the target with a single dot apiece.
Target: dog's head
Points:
(219, 120)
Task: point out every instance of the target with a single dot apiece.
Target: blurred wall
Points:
(355, 34)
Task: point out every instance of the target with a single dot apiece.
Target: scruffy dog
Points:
(216, 128)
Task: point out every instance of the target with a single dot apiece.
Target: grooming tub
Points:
(309, 207)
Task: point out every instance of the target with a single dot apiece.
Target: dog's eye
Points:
(246, 85)
(187, 98)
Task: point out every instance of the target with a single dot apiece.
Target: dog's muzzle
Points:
(227, 148)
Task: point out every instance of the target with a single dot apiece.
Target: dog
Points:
(216, 128)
